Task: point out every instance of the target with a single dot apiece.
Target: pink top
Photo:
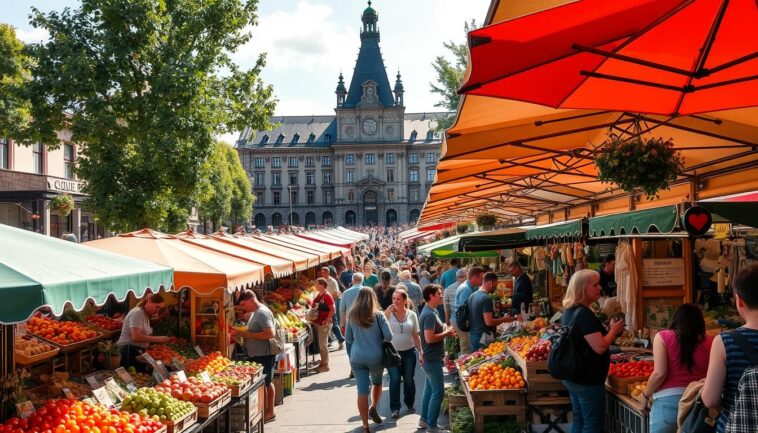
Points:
(677, 374)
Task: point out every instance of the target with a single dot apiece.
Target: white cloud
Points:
(32, 35)
(300, 107)
(308, 38)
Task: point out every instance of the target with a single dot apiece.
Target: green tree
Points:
(145, 86)
(215, 189)
(241, 206)
(14, 75)
(449, 77)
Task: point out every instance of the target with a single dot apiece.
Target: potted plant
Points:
(486, 220)
(108, 354)
(649, 164)
(463, 228)
(63, 203)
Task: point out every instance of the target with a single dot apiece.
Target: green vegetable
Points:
(462, 421)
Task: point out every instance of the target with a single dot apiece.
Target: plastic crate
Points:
(622, 418)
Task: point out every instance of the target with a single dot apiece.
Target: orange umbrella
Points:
(323, 256)
(333, 251)
(198, 268)
(302, 261)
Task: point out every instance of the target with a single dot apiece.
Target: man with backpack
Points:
(462, 294)
(482, 310)
(732, 380)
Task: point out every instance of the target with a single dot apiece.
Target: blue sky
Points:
(309, 41)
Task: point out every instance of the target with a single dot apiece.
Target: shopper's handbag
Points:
(699, 419)
(276, 343)
(568, 353)
(390, 356)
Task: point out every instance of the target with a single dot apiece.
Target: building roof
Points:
(323, 127)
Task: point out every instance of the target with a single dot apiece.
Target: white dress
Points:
(626, 283)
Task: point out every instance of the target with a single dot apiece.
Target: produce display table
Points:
(543, 389)
(510, 402)
(301, 356)
(245, 413)
(623, 414)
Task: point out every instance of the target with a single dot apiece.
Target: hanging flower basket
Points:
(486, 220)
(463, 228)
(63, 203)
(648, 164)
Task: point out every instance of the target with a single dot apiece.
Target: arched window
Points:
(260, 221)
(310, 219)
(327, 219)
(350, 218)
(414, 215)
(391, 219)
(293, 219)
(276, 219)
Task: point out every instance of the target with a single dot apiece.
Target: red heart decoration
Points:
(698, 221)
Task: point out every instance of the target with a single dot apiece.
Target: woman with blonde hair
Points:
(366, 329)
(587, 391)
(406, 340)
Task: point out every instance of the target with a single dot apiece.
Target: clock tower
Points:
(369, 111)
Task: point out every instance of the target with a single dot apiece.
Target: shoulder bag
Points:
(566, 357)
(276, 343)
(390, 356)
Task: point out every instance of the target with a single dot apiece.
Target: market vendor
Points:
(522, 289)
(607, 276)
(136, 333)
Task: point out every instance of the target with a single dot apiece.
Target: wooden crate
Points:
(510, 402)
(621, 385)
(36, 359)
(206, 410)
(542, 388)
(182, 423)
(238, 390)
(68, 348)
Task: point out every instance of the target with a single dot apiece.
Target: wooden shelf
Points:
(207, 336)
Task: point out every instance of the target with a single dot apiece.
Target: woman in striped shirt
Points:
(727, 361)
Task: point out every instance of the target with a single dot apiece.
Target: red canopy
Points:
(671, 57)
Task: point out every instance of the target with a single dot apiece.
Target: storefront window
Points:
(68, 158)
(4, 163)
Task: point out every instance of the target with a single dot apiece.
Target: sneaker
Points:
(411, 410)
(374, 415)
(422, 424)
(395, 414)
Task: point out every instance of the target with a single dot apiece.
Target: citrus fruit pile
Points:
(103, 322)
(522, 344)
(492, 375)
(193, 389)
(212, 363)
(63, 333)
(165, 354)
(495, 348)
(150, 402)
(69, 416)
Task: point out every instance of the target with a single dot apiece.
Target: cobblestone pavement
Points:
(326, 403)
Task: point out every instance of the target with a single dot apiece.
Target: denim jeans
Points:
(434, 390)
(336, 322)
(405, 372)
(663, 414)
(588, 405)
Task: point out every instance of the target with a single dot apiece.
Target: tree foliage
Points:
(14, 74)
(450, 76)
(241, 206)
(225, 192)
(145, 86)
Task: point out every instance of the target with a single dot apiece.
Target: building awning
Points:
(326, 238)
(334, 251)
(737, 208)
(571, 228)
(320, 256)
(657, 220)
(38, 270)
(358, 236)
(301, 260)
(450, 241)
(494, 240)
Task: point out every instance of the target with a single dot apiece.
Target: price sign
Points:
(177, 364)
(162, 368)
(199, 351)
(124, 375)
(182, 376)
(115, 388)
(158, 376)
(93, 383)
(101, 395)
(68, 394)
(25, 409)
(150, 360)
(205, 377)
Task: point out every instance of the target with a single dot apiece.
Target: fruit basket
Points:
(110, 328)
(182, 423)
(208, 398)
(177, 415)
(68, 336)
(30, 350)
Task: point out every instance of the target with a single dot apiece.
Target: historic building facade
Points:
(370, 163)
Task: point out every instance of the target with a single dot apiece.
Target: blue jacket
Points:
(366, 343)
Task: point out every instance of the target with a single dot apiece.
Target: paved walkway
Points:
(326, 403)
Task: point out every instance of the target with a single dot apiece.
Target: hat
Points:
(460, 273)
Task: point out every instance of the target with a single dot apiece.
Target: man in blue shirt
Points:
(448, 277)
(462, 293)
(482, 312)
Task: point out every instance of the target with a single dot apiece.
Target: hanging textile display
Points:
(626, 282)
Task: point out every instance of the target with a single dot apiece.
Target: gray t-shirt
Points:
(433, 352)
(480, 303)
(136, 318)
(260, 320)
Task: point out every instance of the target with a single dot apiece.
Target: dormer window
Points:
(430, 135)
(264, 140)
(327, 138)
(413, 137)
(296, 139)
(311, 138)
(280, 139)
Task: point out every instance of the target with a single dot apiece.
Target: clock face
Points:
(369, 126)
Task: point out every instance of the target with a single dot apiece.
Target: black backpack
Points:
(568, 353)
(743, 413)
(463, 317)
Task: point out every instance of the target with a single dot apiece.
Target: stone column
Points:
(76, 223)
(45, 220)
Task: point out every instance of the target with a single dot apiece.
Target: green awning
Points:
(658, 220)
(559, 230)
(447, 242)
(738, 208)
(38, 270)
(494, 240)
(450, 254)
